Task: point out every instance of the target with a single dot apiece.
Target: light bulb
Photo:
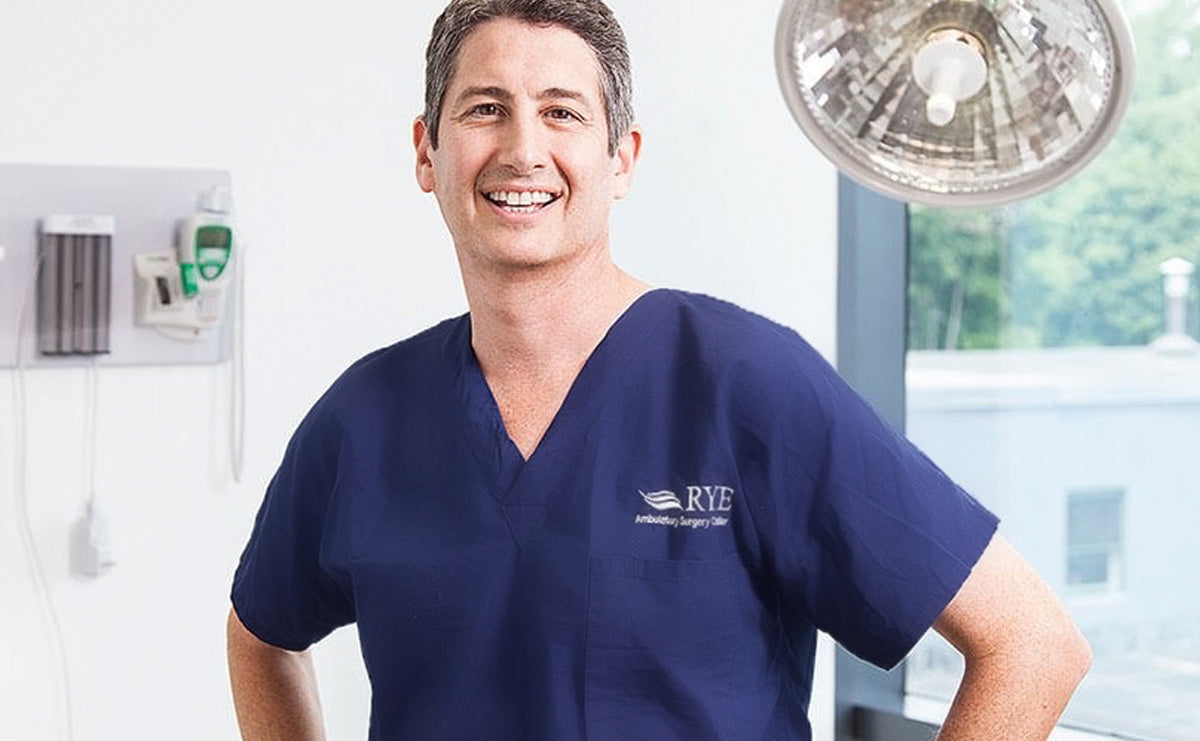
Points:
(950, 68)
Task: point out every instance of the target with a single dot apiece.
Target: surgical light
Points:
(956, 102)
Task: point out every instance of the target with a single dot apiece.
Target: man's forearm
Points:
(1024, 656)
(274, 690)
(1006, 699)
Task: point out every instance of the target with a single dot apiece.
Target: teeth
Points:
(522, 198)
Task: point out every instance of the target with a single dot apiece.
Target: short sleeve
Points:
(282, 590)
(870, 540)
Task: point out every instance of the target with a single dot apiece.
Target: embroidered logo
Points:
(705, 506)
(662, 500)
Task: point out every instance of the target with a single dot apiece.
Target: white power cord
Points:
(237, 391)
(21, 489)
(92, 544)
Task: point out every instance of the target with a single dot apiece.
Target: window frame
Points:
(872, 282)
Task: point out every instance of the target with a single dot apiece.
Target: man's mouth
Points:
(522, 202)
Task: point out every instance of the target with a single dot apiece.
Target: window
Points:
(1094, 540)
(1032, 368)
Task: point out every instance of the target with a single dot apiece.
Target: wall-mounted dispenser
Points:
(74, 291)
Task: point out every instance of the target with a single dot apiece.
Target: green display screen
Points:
(213, 245)
(219, 237)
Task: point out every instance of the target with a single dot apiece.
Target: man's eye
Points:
(486, 109)
(561, 114)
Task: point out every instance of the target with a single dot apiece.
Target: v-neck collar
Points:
(525, 488)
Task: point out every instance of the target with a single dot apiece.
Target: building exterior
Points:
(1091, 457)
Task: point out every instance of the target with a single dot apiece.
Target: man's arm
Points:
(274, 690)
(1024, 656)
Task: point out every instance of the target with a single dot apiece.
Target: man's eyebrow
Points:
(484, 91)
(551, 93)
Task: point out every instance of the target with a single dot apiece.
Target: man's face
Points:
(522, 171)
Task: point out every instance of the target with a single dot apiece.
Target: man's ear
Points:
(424, 147)
(628, 151)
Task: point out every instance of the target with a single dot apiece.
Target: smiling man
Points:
(525, 168)
(592, 509)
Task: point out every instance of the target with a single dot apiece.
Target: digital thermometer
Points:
(205, 244)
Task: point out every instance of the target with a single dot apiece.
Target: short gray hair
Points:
(591, 20)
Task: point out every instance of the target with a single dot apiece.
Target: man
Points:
(589, 509)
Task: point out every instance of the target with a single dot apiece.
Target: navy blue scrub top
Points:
(709, 495)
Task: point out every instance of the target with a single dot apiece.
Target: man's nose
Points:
(523, 148)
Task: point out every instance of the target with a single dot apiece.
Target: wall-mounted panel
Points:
(145, 207)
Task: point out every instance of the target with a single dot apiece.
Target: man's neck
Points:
(538, 320)
(532, 331)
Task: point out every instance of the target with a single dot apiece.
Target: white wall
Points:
(309, 105)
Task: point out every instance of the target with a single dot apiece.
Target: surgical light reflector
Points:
(956, 102)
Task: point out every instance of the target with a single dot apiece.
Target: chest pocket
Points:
(661, 643)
